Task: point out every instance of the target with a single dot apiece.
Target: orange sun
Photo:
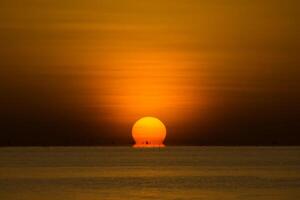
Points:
(149, 132)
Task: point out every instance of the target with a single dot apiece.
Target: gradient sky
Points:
(215, 72)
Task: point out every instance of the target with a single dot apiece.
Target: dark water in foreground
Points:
(89, 173)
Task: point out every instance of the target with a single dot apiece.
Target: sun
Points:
(149, 132)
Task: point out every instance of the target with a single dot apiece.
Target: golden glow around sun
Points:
(155, 83)
(149, 132)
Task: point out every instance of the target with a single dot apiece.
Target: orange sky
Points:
(186, 62)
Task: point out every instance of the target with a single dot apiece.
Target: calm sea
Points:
(100, 173)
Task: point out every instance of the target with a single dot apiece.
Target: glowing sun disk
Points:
(149, 132)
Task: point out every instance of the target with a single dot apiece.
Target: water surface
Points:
(115, 173)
